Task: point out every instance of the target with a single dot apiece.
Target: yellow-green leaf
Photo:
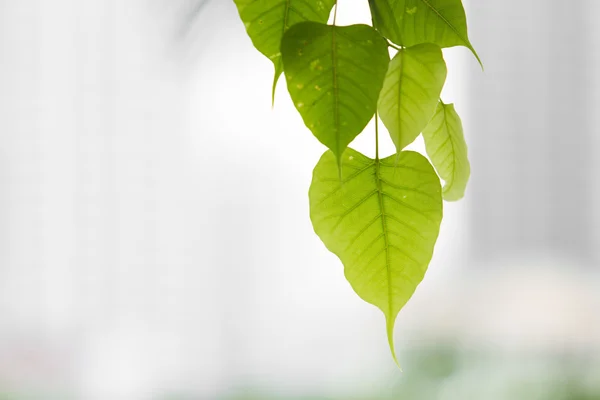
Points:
(447, 149)
(411, 22)
(382, 221)
(334, 75)
(267, 20)
(411, 91)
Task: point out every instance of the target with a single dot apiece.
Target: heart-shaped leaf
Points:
(382, 221)
(411, 22)
(411, 91)
(334, 76)
(447, 149)
(267, 20)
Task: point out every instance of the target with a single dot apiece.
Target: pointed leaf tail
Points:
(470, 47)
(278, 72)
(390, 321)
(396, 164)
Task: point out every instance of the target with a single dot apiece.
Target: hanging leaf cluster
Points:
(381, 217)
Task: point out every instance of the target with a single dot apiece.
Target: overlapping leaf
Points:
(382, 221)
(267, 20)
(334, 76)
(411, 91)
(411, 22)
(447, 149)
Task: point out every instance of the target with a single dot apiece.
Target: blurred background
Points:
(155, 242)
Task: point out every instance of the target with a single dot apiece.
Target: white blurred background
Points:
(154, 233)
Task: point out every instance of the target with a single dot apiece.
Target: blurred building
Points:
(98, 258)
(533, 130)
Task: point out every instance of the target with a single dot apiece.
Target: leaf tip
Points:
(390, 321)
(339, 165)
(278, 72)
(453, 192)
(396, 162)
(477, 57)
(451, 197)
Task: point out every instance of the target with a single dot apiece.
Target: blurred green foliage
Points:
(447, 373)
(438, 373)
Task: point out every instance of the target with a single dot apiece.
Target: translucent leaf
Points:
(411, 22)
(447, 149)
(411, 91)
(334, 76)
(267, 20)
(382, 221)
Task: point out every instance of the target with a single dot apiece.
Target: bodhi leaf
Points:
(447, 149)
(334, 76)
(411, 91)
(411, 22)
(267, 20)
(382, 221)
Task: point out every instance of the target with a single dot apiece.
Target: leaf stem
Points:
(376, 135)
(335, 12)
(393, 46)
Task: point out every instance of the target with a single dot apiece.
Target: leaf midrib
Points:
(402, 55)
(450, 137)
(336, 100)
(385, 233)
(286, 15)
(399, 32)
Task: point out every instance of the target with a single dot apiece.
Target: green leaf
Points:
(447, 149)
(411, 22)
(267, 20)
(382, 221)
(411, 91)
(334, 76)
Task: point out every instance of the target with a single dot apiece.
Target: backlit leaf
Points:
(411, 22)
(334, 75)
(267, 20)
(411, 91)
(447, 149)
(382, 221)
